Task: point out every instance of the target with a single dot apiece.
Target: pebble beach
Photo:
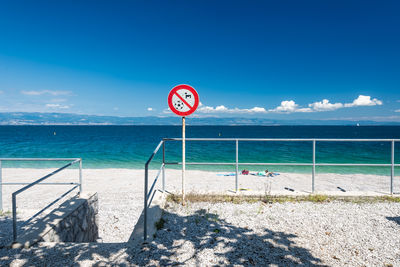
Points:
(327, 234)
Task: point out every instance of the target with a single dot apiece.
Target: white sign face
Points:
(183, 100)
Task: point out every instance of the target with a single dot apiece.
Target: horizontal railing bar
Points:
(38, 159)
(233, 163)
(44, 177)
(357, 140)
(208, 163)
(284, 139)
(284, 164)
(353, 164)
(40, 183)
(278, 164)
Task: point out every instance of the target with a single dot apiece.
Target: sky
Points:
(267, 59)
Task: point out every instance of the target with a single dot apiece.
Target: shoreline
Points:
(202, 182)
(208, 170)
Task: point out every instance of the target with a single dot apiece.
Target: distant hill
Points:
(25, 118)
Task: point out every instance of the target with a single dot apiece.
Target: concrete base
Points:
(75, 220)
(154, 213)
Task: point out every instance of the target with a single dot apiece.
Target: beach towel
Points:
(262, 174)
(258, 174)
(226, 174)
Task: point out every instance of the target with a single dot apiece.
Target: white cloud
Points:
(57, 106)
(168, 111)
(43, 92)
(363, 100)
(223, 109)
(324, 105)
(1, 92)
(258, 109)
(397, 110)
(206, 109)
(289, 106)
(149, 109)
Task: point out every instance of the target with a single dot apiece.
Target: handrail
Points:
(38, 159)
(286, 139)
(38, 182)
(314, 164)
(44, 177)
(154, 153)
(155, 180)
(147, 193)
(285, 164)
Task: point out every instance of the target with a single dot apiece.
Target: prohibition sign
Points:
(183, 100)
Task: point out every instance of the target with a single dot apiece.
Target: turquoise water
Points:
(130, 146)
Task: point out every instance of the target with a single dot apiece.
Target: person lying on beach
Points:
(265, 173)
(269, 174)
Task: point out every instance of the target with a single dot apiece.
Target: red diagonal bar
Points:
(183, 100)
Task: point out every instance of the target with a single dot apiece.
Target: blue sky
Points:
(270, 59)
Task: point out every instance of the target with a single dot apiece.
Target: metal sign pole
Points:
(183, 100)
(183, 160)
(1, 188)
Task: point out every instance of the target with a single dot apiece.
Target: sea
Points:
(131, 146)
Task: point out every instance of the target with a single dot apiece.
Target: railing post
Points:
(80, 176)
(313, 168)
(1, 188)
(392, 170)
(237, 166)
(163, 168)
(14, 213)
(146, 174)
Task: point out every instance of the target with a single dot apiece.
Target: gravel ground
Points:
(120, 192)
(204, 234)
(334, 234)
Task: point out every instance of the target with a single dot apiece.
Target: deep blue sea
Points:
(130, 146)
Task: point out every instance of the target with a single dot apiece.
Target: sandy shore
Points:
(111, 184)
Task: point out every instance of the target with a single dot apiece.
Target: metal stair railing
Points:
(38, 182)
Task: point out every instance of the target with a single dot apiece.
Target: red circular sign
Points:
(183, 100)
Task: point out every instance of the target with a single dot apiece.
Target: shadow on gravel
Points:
(394, 219)
(198, 239)
(35, 224)
(5, 229)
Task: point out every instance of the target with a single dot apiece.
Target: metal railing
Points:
(150, 194)
(314, 164)
(38, 182)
